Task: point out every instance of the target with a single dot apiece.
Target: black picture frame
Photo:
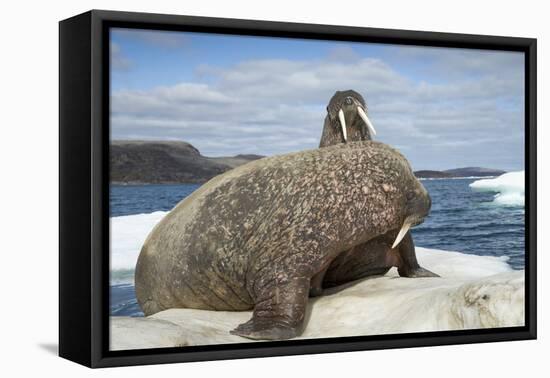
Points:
(84, 187)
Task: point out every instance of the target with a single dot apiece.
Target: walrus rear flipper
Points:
(279, 312)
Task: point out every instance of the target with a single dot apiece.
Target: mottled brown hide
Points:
(254, 237)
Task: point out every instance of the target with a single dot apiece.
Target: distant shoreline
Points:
(456, 178)
(179, 162)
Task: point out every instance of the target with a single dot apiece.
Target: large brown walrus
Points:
(263, 235)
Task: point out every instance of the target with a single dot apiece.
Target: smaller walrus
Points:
(264, 234)
(346, 119)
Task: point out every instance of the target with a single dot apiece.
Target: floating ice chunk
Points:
(128, 233)
(510, 188)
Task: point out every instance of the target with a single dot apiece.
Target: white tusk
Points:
(343, 124)
(363, 116)
(402, 233)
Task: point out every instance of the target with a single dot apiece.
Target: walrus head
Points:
(346, 119)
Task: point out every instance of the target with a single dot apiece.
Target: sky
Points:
(442, 108)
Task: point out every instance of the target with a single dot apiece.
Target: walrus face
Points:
(348, 117)
(378, 178)
(417, 207)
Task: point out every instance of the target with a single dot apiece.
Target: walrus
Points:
(346, 119)
(353, 124)
(259, 236)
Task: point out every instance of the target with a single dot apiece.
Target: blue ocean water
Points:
(470, 222)
(139, 199)
(460, 220)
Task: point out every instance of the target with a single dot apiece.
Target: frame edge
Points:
(75, 273)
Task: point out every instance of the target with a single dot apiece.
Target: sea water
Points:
(461, 219)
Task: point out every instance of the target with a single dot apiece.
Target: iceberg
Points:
(128, 233)
(509, 188)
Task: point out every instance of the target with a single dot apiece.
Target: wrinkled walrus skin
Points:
(257, 236)
(365, 259)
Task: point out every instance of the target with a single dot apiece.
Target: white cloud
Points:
(277, 106)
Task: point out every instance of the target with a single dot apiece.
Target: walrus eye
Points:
(410, 196)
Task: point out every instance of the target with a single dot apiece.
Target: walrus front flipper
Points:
(279, 311)
(408, 265)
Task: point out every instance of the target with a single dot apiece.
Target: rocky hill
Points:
(165, 162)
(431, 174)
(474, 172)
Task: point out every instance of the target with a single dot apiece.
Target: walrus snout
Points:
(418, 207)
(353, 113)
